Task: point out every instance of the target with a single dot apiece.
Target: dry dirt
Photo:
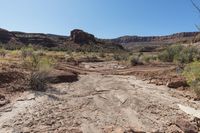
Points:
(99, 102)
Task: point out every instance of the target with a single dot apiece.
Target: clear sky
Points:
(103, 18)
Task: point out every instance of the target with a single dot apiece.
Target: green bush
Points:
(3, 52)
(179, 54)
(170, 53)
(40, 67)
(192, 75)
(37, 61)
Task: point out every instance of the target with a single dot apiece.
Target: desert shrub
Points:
(170, 53)
(3, 52)
(40, 63)
(102, 55)
(136, 60)
(120, 57)
(116, 57)
(40, 67)
(40, 53)
(148, 59)
(179, 54)
(26, 51)
(192, 75)
(38, 81)
(187, 55)
(70, 59)
(15, 53)
(36, 62)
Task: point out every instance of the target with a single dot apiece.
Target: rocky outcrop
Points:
(44, 40)
(12, 40)
(81, 37)
(5, 36)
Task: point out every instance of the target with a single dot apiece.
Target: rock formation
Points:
(5, 36)
(81, 37)
(78, 37)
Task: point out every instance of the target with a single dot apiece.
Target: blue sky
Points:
(103, 18)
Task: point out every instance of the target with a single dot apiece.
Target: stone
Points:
(58, 76)
(173, 129)
(176, 83)
(186, 126)
(3, 100)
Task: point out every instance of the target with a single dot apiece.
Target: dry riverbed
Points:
(100, 104)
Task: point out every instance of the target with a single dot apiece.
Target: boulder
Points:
(81, 37)
(176, 83)
(186, 126)
(58, 76)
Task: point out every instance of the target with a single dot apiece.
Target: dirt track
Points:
(96, 104)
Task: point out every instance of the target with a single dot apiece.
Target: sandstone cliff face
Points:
(81, 37)
(44, 40)
(78, 40)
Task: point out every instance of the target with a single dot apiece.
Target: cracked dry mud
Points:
(95, 104)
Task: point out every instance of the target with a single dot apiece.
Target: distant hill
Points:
(83, 41)
(133, 41)
(78, 40)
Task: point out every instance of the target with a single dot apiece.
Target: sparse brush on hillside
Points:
(192, 74)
